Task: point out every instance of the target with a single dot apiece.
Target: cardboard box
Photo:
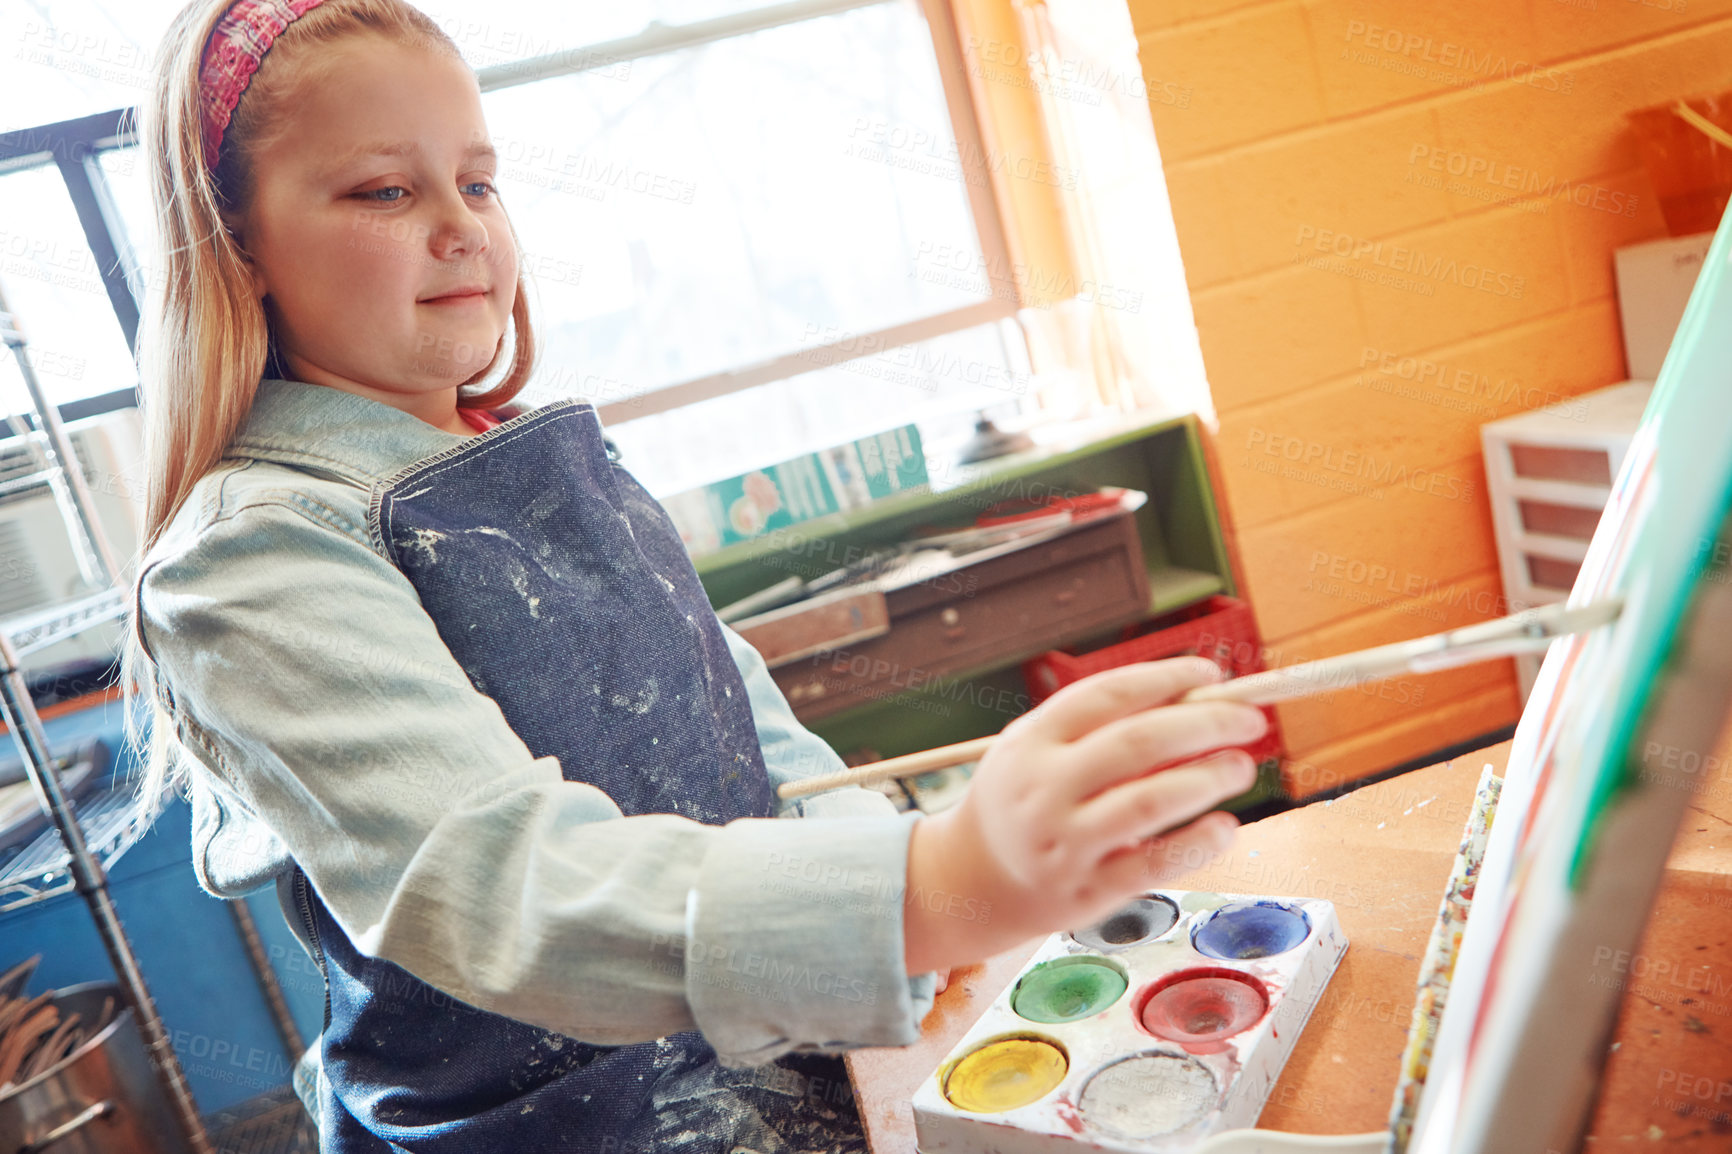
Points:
(1654, 283)
(832, 481)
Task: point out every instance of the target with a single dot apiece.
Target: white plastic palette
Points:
(1162, 1025)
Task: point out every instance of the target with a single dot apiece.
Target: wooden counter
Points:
(1382, 855)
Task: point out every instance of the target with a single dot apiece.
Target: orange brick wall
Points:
(1285, 125)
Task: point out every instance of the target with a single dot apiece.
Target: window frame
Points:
(72, 146)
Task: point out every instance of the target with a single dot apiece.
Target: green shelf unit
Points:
(1178, 527)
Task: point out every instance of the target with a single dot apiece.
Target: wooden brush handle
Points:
(908, 765)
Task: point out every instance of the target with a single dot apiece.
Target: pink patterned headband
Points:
(232, 54)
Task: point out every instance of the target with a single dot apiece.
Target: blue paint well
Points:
(1242, 930)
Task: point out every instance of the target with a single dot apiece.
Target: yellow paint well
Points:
(1006, 1074)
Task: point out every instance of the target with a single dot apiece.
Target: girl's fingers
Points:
(1138, 810)
(1078, 710)
(1132, 746)
(1158, 862)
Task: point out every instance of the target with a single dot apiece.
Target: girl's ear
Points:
(254, 273)
(257, 275)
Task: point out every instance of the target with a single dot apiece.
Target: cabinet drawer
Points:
(987, 615)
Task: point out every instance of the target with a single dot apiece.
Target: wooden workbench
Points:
(1382, 855)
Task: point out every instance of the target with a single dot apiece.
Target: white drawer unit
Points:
(1549, 473)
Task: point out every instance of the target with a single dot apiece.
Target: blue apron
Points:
(547, 567)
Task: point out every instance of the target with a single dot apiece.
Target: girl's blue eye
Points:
(393, 193)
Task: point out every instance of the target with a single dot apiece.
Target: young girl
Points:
(449, 680)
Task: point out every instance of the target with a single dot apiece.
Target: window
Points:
(53, 284)
(65, 264)
(694, 212)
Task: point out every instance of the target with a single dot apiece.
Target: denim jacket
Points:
(324, 723)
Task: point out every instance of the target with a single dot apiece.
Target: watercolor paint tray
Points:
(1162, 1025)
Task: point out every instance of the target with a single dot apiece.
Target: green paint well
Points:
(1067, 992)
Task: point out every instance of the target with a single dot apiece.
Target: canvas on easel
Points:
(1588, 814)
(1588, 811)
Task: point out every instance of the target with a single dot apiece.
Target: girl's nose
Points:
(458, 232)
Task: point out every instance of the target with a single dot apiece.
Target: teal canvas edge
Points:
(1688, 422)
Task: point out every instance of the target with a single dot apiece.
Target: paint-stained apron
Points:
(565, 593)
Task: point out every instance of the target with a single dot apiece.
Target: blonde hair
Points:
(207, 339)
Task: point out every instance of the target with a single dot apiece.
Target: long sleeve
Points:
(793, 752)
(303, 674)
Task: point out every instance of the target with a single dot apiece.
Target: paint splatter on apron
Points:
(564, 592)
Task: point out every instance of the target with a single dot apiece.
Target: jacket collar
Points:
(324, 429)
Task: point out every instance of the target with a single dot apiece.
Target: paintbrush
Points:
(1529, 631)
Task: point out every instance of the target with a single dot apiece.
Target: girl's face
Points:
(375, 230)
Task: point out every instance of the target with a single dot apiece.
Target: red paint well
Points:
(1202, 1008)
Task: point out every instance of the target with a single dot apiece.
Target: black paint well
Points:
(1142, 920)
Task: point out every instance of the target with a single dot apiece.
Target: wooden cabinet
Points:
(999, 611)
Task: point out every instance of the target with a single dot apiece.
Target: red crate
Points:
(1219, 628)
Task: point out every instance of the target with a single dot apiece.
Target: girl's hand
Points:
(1072, 811)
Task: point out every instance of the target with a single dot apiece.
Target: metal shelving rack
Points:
(112, 824)
(81, 868)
